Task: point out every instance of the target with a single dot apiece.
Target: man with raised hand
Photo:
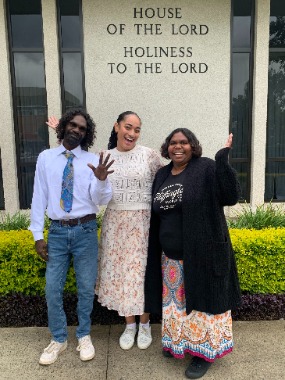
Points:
(69, 185)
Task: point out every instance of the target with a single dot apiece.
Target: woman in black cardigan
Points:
(198, 284)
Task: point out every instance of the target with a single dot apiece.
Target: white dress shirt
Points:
(88, 191)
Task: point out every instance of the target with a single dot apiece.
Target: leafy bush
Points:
(47, 222)
(260, 256)
(21, 221)
(99, 217)
(18, 221)
(21, 269)
(260, 259)
(260, 307)
(263, 216)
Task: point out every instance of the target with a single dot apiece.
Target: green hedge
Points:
(21, 269)
(260, 258)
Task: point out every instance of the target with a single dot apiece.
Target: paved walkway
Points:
(259, 354)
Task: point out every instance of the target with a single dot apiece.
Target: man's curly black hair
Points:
(88, 140)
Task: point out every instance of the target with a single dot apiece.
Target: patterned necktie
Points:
(67, 183)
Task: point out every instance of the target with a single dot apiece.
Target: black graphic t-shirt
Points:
(168, 205)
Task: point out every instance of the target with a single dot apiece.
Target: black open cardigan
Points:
(210, 273)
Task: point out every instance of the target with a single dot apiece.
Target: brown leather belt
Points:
(75, 222)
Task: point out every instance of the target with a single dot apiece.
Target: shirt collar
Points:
(77, 151)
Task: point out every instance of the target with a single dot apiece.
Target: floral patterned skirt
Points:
(122, 261)
(201, 334)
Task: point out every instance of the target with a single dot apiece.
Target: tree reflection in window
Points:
(241, 91)
(275, 144)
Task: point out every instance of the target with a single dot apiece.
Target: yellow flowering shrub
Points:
(21, 269)
(260, 256)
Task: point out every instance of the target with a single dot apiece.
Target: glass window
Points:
(275, 144)
(70, 22)
(30, 105)
(73, 92)
(241, 23)
(70, 29)
(29, 91)
(71, 51)
(243, 174)
(241, 91)
(2, 201)
(277, 8)
(26, 31)
(241, 28)
(240, 104)
(275, 181)
(26, 23)
(29, 71)
(277, 31)
(276, 106)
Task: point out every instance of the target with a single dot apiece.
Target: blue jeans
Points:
(64, 242)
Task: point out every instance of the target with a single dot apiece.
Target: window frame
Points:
(250, 51)
(12, 51)
(269, 159)
(2, 205)
(62, 50)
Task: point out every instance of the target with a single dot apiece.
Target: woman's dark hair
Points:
(192, 139)
(113, 137)
(90, 136)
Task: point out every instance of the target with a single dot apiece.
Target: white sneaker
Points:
(52, 351)
(144, 337)
(127, 339)
(86, 348)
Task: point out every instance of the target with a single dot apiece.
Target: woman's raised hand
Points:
(52, 122)
(229, 141)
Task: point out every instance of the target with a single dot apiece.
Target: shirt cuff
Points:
(101, 184)
(38, 235)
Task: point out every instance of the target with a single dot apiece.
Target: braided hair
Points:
(113, 137)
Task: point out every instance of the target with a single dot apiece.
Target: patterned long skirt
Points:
(122, 261)
(201, 334)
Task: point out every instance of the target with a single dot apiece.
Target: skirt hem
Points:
(193, 353)
(121, 314)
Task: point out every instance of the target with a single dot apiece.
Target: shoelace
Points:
(145, 333)
(129, 333)
(52, 346)
(84, 343)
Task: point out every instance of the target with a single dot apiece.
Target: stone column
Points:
(7, 141)
(52, 72)
(259, 107)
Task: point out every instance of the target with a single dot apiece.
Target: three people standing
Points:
(191, 272)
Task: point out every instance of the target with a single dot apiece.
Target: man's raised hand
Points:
(102, 171)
